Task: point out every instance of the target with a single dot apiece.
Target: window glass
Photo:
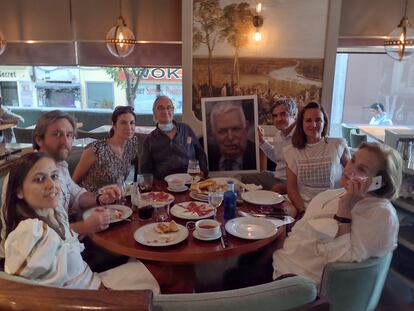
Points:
(84, 87)
(100, 94)
(8, 91)
(364, 79)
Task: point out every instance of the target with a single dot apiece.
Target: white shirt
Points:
(275, 152)
(70, 191)
(312, 243)
(35, 251)
(317, 166)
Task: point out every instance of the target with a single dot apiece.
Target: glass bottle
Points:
(230, 201)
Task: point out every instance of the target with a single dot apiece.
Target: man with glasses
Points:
(284, 113)
(171, 145)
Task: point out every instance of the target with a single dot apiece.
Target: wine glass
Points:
(193, 169)
(122, 186)
(215, 198)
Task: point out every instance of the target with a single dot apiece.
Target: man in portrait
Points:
(232, 150)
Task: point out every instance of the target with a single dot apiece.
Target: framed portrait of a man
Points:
(230, 137)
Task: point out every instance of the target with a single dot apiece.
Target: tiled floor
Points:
(396, 296)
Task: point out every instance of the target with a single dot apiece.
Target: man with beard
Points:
(233, 150)
(284, 113)
(53, 135)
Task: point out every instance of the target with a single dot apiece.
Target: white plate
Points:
(125, 210)
(199, 197)
(251, 228)
(277, 222)
(203, 238)
(157, 197)
(185, 188)
(186, 177)
(262, 197)
(147, 235)
(180, 210)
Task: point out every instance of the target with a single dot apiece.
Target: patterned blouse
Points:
(109, 167)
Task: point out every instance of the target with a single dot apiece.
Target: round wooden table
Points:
(119, 239)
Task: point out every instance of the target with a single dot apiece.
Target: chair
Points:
(355, 286)
(357, 138)
(286, 294)
(85, 134)
(346, 132)
(23, 135)
(19, 294)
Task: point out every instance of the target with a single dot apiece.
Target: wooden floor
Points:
(396, 296)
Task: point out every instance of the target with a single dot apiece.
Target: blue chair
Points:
(287, 294)
(356, 138)
(355, 286)
(346, 132)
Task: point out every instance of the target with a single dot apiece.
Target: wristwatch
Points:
(342, 220)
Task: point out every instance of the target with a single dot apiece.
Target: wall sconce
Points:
(399, 44)
(258, 22)
(3, 43)
(120, 40)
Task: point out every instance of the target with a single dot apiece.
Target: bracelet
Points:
(343, 220)
(97, 199)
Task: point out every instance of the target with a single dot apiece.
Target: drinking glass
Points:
(145, 182)
(122, 185)
(161, 211)
(193, 169)
(215, 198)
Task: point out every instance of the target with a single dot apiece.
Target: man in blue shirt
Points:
(379, 116)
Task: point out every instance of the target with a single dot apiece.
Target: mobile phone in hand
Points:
(376, 183)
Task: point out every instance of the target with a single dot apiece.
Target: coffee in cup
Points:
(176, 184)
(207, 228)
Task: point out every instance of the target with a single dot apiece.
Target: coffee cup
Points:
(176, 184)
(207, 228)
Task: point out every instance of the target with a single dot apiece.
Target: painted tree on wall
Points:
(238, 18)
(129, 79)
(209, 15)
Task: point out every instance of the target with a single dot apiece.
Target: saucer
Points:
(202, 238)
(185, 188)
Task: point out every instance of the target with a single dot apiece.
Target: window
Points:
(100, 95)
(362, 79)
(8, 91)
(83, 87)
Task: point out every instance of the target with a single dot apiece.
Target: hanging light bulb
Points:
(120, 40)
(257, 35)
(258, 22)
(399, 44)
(3, 43)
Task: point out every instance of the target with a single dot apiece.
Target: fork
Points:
(224, 239)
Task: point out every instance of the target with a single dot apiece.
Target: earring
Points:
(20, 196)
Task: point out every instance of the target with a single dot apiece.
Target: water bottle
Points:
(230, 201)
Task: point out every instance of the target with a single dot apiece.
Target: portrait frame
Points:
(249, 160)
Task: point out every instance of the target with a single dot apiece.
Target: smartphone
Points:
(376, 183)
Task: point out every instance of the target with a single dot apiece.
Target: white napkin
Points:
(130, 276)
(251, 187)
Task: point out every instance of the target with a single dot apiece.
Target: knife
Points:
(223, 239)
(270, 215)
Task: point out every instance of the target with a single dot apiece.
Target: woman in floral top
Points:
(107, 160)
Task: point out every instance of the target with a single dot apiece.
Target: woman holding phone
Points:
(348, 224)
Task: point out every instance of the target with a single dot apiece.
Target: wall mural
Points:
(286, 62)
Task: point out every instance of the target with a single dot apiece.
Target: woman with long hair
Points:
(38, 242)
(107, 160)
(314, 161)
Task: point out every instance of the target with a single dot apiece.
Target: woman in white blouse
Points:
(39, 244)
(314, 162)
(347, 224)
